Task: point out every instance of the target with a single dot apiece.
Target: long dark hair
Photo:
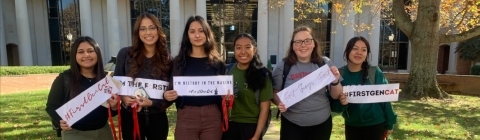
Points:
(210, 47)
(315, 58)
(256, 72)
(160, 60)
(75, 71)
(365, 64)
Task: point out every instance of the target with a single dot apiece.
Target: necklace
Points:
(89, 79)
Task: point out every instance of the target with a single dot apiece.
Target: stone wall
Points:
(456, 84)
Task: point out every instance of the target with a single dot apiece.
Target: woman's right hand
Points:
(64, 125)
(281, 107)
(170, 95)
(128, 100)
(343, 99)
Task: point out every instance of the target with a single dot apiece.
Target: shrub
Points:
(21, 70)
(475, 70)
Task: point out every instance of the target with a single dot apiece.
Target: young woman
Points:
(248, 117)
(372, 121)
(86, 69)
(197, 117)
(310, 118)
(147, 58)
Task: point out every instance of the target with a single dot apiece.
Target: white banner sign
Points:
(203, 85)
(371, 93)
(88, 100)
(306, 86)
(145, 87)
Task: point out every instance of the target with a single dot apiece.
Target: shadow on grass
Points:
(439, 119)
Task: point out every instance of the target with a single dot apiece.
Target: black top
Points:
(121, 69)
(56, 98)
(198, 67)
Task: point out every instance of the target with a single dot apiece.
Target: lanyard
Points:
(110, 118)
(136, 127)
(226, 111)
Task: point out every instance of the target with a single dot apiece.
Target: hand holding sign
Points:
(281, 107)
(113, 101)
(64, 125)
(170, 95)
(343, 99)
(335, 73)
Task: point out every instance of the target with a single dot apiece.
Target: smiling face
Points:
(196, 34)
(359, 53)
(148, 32)
(86, 56)
(303, 45)
(244, 50)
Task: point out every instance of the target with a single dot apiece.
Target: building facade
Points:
(35, 32)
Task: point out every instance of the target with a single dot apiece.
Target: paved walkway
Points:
(23, 83)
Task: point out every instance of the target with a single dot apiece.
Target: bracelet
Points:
(334, 84)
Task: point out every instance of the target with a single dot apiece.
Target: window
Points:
(228, 18)
(393, 53)
(63, 19)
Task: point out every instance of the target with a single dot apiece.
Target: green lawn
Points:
(23, 117)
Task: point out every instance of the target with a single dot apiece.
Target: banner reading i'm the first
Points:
(145, 87)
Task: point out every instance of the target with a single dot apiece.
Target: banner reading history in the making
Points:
(145, 87)
(203, 85)
(306, 86)
(371, 93)
(88, 100)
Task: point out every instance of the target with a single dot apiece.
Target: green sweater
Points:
(369, 113)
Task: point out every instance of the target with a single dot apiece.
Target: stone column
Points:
(23, 31)
(374, 38)
(288, 25)
(86, 22)
(262, 30)
(201, 8)
(175, 27)
(452, 59)
(3, 47)
(113, 29)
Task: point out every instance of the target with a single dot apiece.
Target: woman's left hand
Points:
(144, 102)
(335, 72)
(388, 132)
(113, 101)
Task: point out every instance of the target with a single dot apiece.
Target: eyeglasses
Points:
(151, 28)
(300, 42)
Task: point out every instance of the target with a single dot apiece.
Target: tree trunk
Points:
(422, 81)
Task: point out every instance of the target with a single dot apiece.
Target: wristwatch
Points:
(336, 83)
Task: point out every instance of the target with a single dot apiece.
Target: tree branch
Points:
(401, 17)
(462, 36)
(463, 13)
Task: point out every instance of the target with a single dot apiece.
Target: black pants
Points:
(291, 131)
(156, 129)
(240, 131)
(374, 132)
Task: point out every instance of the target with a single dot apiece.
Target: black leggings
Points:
(291, 131)
(156, 129)
(373, 132)
(240, 131)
